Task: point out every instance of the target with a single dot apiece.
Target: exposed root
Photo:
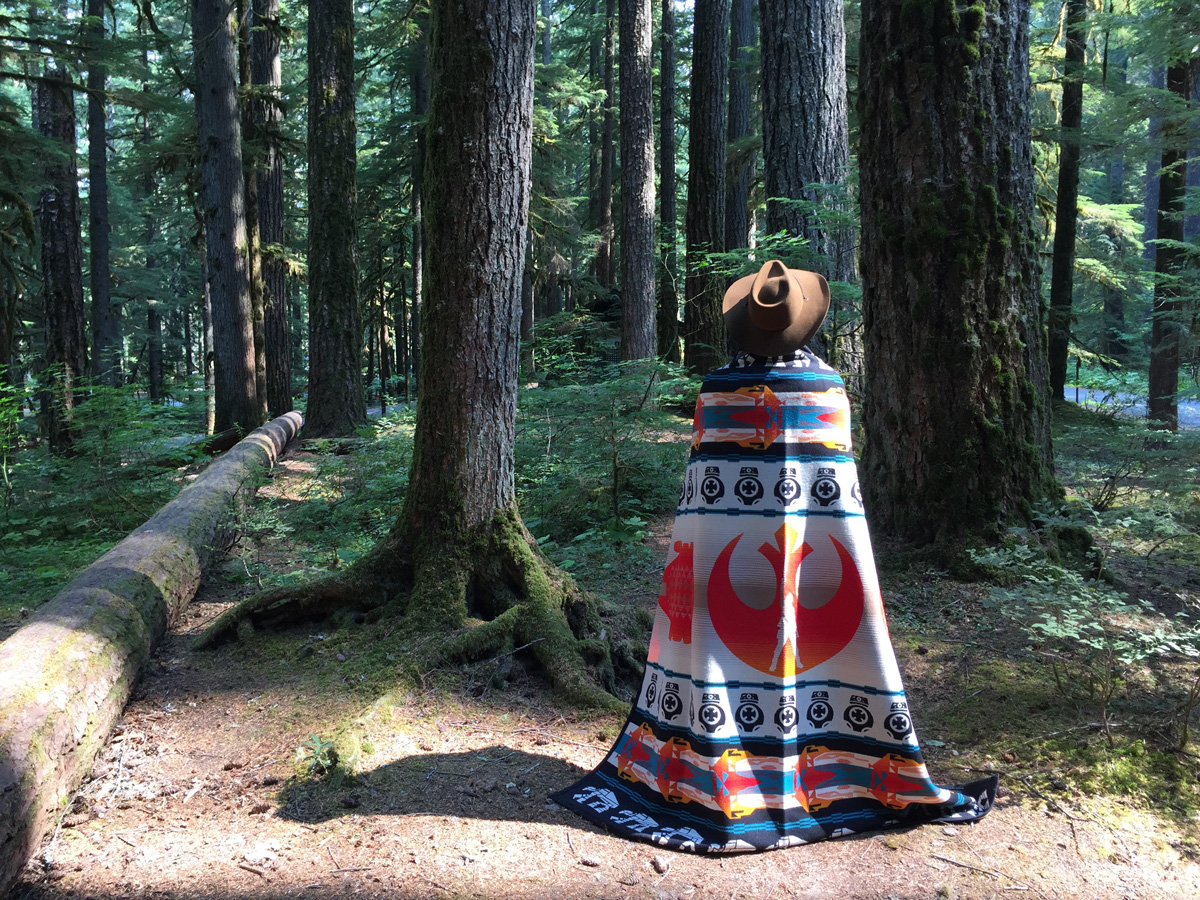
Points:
(289, 605)
(495, 574)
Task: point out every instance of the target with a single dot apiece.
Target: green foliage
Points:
(598, 443)
(317, 756)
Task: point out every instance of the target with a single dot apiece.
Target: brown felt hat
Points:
(776, 311)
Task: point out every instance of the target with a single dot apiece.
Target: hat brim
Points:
(802, 329)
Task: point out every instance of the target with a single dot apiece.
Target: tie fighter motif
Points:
(678, 598)
(671, 769)
(755, 417)
(736, 793)
(804, 778)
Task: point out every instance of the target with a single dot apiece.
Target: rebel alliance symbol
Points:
(787, 488)
(748, 488)
(826, 489)
(784, 638)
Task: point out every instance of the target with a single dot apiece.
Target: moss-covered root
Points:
(533, 605)
(291, 604)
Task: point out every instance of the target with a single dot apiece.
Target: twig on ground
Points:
(553, 737)
(336, 864)
(255, 869)
(434, 883)
(120, 837)
(353, 869)
(967, 865)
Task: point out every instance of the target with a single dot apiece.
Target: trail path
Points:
(195, 796)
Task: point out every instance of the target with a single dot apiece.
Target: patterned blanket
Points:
(772, 711)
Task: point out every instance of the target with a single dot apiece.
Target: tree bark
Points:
(106, 350)
(252, 141)
(1062, 271)
(267, 74)
(956, 413)
(62, 263)
(1166, 330)
(154, 351)
(668, 299)
(1116, 344)
(70, 669)
(805, 134)
(458, 550)
(215, 50)
(737, 188)
(604, 242)
(637, 183)
(1158, 79)
(704, 340)
(419, 80)
(336, 399)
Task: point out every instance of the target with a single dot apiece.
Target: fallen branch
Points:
(69, 670)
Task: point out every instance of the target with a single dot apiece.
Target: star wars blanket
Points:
(771, 712)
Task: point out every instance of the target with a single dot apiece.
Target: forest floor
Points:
(202, 790)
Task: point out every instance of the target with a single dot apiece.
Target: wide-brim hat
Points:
(777, 310)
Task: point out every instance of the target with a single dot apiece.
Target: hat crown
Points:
(776, 310)
(773, 303)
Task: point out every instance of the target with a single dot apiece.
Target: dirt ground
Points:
(197, 795)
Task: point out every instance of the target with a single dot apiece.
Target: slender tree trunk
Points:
(336, 402)
(595, 75)
(604, 246)
(737, 189)
(637, 183)
(267, 74)
(1168, 326)
(956, 414)
(668, 298)
(215, 50)
(106, 351)
(252, 141)
(208, 357)
(704, 340)
(62, 264)
(1158, 79)
(189, 366)
(154, 351)
(419, 78)
(1062, 272)
(1115, 343)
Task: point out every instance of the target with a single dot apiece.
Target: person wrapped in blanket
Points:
(772, 711)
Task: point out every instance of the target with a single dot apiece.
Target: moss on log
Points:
(68, 672)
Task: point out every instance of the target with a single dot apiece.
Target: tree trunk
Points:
(419, 79)
(1167, 328)
(106, 350)
(1115, 343)
(336, 402)
(956, 414)
(62, 264)
(1158, 79)
(252, 141)
(737, 188)
(637, 183)
(208, 357)
(704, 340)
(154, 351)
(458, 550)
(83, 650)
(805, 138)
(668, 298)
(267, 73)
(604, 244)
(1062, 271)
(220, 133)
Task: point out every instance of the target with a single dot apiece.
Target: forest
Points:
(348, 360)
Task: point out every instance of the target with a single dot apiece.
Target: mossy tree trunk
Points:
(68, 672)
(458, 561)
(956, 419)
(336, 399)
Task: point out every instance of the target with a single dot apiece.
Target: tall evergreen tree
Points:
(604, 224)
(106, 351)
(1167, 328)
(956, 416)
(637, 183)
(737, 188)
(336, 399)
(62, 263)
(668, 300)
(214, 44)
(267, 75)
(704, 339)
(1062, 273)
(806, 145)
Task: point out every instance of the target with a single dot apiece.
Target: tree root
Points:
(444, 588)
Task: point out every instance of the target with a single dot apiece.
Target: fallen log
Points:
(66, 674)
